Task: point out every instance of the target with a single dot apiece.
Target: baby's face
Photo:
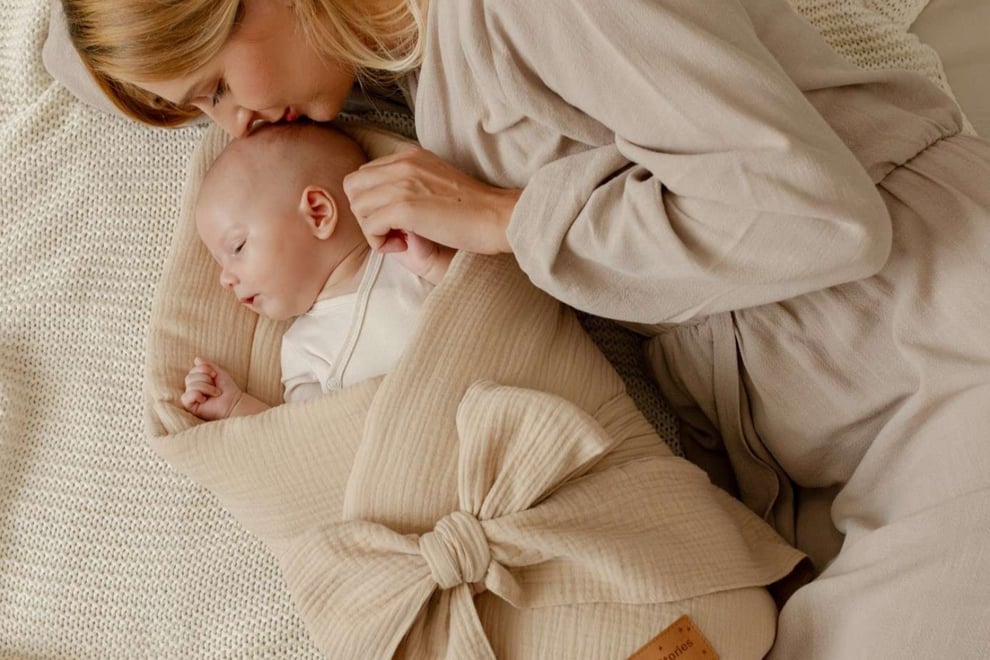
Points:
(268, 256)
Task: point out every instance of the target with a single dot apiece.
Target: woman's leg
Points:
(911, 577)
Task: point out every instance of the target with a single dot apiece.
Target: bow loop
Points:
(456, 550)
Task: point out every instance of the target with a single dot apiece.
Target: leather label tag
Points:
(681, 640)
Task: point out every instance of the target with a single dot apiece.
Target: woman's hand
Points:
(415, 191)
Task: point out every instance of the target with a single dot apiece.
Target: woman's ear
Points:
(320, 210)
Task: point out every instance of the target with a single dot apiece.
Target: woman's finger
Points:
(377, 172)
(368, 191)
(415, 191)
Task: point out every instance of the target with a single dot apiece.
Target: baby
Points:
(272, 212)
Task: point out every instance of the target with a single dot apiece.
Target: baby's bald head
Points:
(277, 161)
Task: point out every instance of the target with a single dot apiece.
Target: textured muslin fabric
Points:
(514, 470)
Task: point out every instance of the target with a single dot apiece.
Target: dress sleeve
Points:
(724, 188)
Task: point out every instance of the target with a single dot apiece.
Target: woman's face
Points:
(266, 71)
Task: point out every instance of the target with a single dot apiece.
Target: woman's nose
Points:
(233, 119)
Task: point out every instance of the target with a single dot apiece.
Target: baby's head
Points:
(272, 212)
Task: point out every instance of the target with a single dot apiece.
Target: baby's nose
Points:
(227, 279)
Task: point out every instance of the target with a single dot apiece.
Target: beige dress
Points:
(810, 243)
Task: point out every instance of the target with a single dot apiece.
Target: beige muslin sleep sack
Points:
(497, 495)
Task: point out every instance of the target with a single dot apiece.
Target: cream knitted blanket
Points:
(105, 551)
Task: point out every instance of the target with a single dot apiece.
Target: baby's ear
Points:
(320, 211)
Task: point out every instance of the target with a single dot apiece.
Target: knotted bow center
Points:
(456, 550)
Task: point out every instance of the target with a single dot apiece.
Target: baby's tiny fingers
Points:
(195, 377)
(190, 400)
(203, 369)
(208, 389)
(206, 366)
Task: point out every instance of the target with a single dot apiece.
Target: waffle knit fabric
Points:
(105, 552)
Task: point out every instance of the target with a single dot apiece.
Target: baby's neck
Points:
(346, 276)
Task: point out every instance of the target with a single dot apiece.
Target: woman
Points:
(806, 241)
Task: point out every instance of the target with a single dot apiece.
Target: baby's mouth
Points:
(247, 300)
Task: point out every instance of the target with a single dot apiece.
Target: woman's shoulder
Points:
(499, 13)
(494, 15)
(527, 24)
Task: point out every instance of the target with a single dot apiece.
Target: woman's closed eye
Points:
(218, 93)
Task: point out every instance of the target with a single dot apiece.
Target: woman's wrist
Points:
(508, 198)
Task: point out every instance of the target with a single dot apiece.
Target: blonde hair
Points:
(382, 45)
(153, 40)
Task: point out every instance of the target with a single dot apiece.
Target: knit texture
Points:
(874, 34)
(105, 551)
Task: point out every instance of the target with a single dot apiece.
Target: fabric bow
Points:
(535, 528)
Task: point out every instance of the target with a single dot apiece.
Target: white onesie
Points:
(344, 340)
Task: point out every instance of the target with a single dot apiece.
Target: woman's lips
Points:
(290, 115)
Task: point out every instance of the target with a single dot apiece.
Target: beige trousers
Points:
(879, 390)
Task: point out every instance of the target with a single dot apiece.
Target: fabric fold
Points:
(526, 501)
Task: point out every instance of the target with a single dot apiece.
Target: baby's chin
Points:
(279, 315)
(277, 318)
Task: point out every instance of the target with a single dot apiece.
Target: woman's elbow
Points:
(870, 234)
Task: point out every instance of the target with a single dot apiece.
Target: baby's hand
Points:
(422, 256)
(210, 391)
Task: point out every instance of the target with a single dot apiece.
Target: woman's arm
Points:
(724, 189)
(415, 192)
